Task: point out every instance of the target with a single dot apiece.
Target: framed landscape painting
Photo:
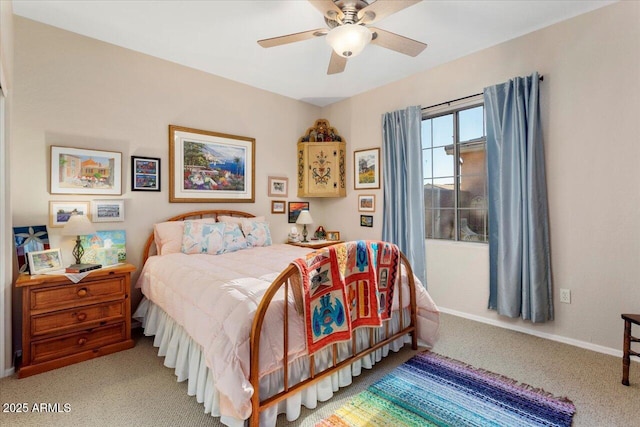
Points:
(60, 212)
(210, 167)
(366, 167)
(80, 171)
(294, 210)
(107, 210)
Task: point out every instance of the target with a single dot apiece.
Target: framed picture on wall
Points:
(107, 210)
(278, 206)
(210, 167)
(366, 220)
(145, 173)
(366, 168)
(367, 203)
(80, 171)
(295, 208)
(278, 186)
(60, 212)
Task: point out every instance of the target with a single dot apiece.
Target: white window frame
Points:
(443, 110)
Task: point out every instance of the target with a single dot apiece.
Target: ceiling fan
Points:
(348, 32)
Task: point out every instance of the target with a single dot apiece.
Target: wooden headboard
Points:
(150, 245)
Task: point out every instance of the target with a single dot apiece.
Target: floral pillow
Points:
(256, 233)
(233, 238)
(203, 238)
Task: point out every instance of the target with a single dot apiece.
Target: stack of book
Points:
(81, 268)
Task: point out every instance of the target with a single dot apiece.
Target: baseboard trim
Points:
(552, 337)
(8, 372)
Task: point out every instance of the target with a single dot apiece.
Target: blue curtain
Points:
(403, 214)
(519, 253)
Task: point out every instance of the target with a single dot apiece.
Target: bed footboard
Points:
(285, 281)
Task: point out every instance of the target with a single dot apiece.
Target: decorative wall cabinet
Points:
(321, 162)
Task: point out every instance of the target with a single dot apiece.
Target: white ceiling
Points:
(219, 37)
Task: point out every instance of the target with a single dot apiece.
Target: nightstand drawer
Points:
(80, 317)
(79, 293)
(92, 339)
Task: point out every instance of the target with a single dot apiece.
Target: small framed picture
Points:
(366, 168)
(367, 203)
(366, 220)
(45, 261)
(333, 236)
(107, 210)
(278, 186)
(278, 206)
(145, 173)
(294, 210)
(60, 212)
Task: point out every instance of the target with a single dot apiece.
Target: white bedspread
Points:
(214, 298)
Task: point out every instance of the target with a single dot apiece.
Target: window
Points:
(455, 174)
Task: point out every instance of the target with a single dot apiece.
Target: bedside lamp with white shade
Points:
(78, 225)
(304, 218)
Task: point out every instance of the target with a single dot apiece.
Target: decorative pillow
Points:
(239, 219)
(168, 235)
(203, 238)
(257, 233)
(233, 238)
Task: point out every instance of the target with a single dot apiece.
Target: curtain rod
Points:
(460, 99)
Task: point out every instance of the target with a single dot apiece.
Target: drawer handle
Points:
(82, 341)
(81, 317)
(82, 292)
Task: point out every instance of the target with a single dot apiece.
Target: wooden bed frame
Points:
(286, 280)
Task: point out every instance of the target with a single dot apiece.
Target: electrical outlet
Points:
(565, 296)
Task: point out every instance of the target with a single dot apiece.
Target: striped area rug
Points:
(433, 390)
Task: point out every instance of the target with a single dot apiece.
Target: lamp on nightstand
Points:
(78, 225)
(304, 218)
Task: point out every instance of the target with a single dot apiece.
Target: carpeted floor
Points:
(133, 388)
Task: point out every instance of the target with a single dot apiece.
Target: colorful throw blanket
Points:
(346, 286)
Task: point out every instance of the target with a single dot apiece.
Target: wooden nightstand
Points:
(316, 244)
(65, 322)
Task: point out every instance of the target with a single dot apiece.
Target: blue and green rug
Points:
(433, 390)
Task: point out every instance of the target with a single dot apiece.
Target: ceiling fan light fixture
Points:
(349, 40)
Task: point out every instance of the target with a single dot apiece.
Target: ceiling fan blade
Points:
(396, 42)
(292, 38)
(382, 8)
(336, 64)
(328, 8)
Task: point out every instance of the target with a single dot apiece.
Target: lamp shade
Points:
(78, 225)
(304, 218)
(349, 39)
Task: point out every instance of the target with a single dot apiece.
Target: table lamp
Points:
(304, 218)
(78, 225)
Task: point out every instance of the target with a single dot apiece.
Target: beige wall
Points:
(80, 92)
(590, 108)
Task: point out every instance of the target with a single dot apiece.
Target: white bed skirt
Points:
(183, 354)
